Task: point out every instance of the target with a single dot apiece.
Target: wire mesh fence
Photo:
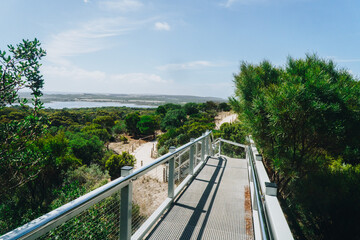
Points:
(149, 191)
(101, 221)
(182, 163)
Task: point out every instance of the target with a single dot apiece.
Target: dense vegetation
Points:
(50, 157)
(305, 119)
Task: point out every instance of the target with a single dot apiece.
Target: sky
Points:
(188, 47)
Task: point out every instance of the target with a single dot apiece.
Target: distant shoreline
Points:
(91, 104)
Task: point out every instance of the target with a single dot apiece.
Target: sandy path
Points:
(143, 154)
(229, 119)
(143, 158)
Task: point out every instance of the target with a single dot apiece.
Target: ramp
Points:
(216, 205)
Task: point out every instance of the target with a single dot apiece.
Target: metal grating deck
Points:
(216, 205)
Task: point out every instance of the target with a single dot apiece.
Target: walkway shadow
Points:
(199, 209)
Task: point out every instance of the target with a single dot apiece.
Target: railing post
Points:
(126, 206)
(203, 149)
(219, 147)
(196, 152)
(191, 153)
(171, 181)
(207, 143)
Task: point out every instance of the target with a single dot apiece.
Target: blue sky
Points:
(188, 47)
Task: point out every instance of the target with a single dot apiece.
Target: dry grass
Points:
(248, 213)
(149, 192)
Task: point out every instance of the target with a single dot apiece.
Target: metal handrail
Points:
(265, 234)
(259, 200)
(49, 221)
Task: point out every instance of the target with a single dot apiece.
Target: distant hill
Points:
(147, 99)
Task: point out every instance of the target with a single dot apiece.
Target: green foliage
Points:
(224, 107)
(116, 162)
(123, 139)
(193, 127)
(87, 148)
(234, 132)
(20, 160)
(131, 121)
(148, 124)
(173, 119)
(106, 122)
(119, 127)
(97, 130)
(303, 117)
(191, 108)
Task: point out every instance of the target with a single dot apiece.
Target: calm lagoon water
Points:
(83, 104)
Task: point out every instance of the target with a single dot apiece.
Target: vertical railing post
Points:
(219, 147)
(171, 182)
(126, 206)
(196, 152)
(207, 143)
(203, 149)
(191, 153)
(211, 150)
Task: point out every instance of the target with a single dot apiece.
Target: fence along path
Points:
(216, 205)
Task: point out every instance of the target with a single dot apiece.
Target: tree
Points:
(191, 108)
(304, 119)
(224, 107)
(88, 148)
(131, 121)
(173, 119)
(19, 159)
(148, 124)
(116, 162)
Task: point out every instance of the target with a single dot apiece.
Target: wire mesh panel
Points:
(232, 150)
(101, 221)
(198, 153)
(149, 192)
(182, 163)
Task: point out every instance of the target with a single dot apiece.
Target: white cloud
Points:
(86, 1)
(121, 5)
(190, 65)
(88, 37)
(162, 26)
(72, 78)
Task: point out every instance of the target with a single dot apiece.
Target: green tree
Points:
(106, 122)
(88, 148)
(191, 108)
(148, 124)
(305, 119)
(19, 159)
(173, 119)
(131, 121)
(116, 162)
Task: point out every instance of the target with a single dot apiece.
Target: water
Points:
(83, 104)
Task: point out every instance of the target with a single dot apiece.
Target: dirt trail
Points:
(224, 117)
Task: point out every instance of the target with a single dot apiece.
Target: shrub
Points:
(116, 162)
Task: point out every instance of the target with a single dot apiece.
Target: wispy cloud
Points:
(121, 5)
(87, 81)
(162, 26)
(86, 1)
(190, 65)
(88, 37)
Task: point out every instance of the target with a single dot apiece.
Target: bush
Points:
(116, 162)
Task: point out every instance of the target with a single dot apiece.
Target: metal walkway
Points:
(216, 205)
